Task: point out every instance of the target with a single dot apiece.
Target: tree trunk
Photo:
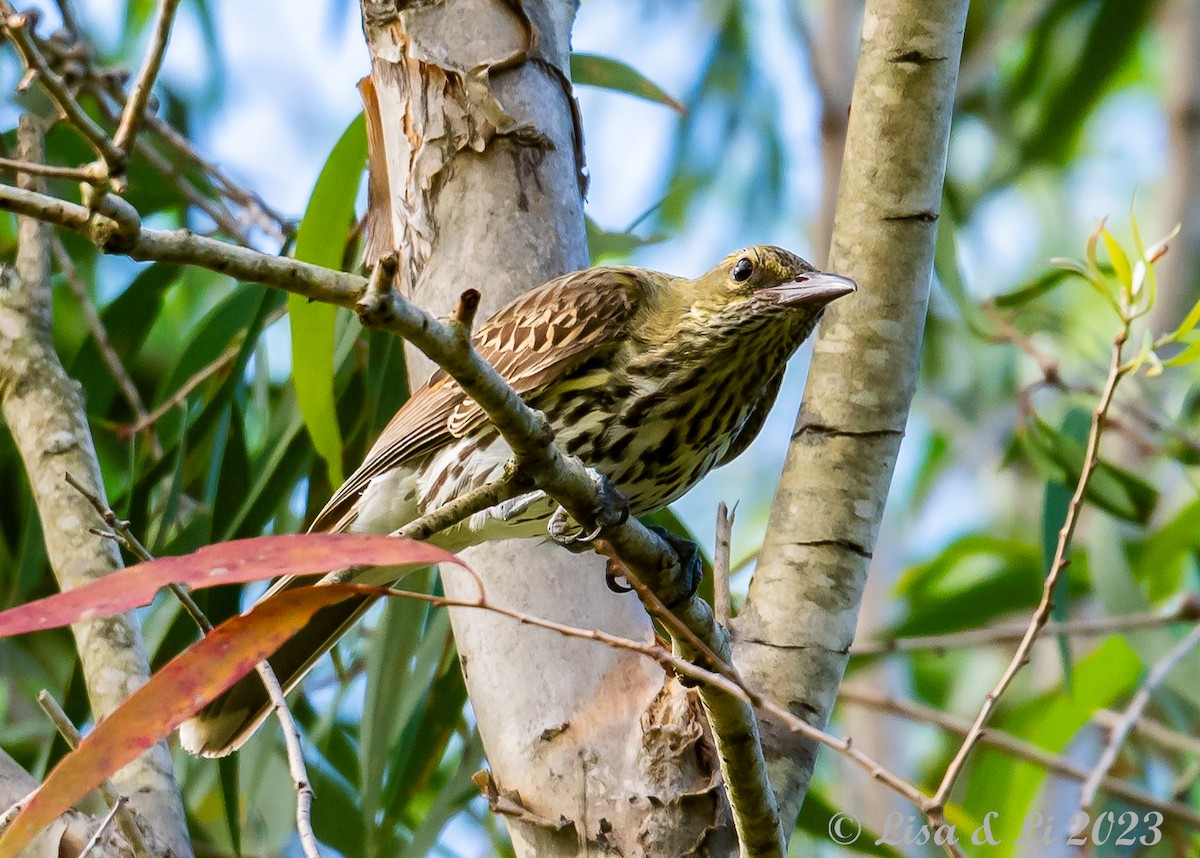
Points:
(476, 149)
(43, 408)
(794, 634)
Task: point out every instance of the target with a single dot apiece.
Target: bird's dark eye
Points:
(742, 270)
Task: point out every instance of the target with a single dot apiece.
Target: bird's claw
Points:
(612, 509)
(612, 581)
(690, 563)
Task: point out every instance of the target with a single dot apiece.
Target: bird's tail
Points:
(227, 722)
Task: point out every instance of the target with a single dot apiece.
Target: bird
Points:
(650, 380)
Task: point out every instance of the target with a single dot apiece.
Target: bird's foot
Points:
(611, 509)
(690, 562)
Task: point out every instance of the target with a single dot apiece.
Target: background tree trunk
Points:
(794, 634)
(483, 173)
(44, 410)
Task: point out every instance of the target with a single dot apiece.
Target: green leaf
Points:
(1187, 325)
(614, 246)
(1189, 355)
(321, 240)
(1117, 590)
(1041, 285)
(227, 773)
(449, 800)
(974, 579)
(397, 681)
(1120, 262)
(607, 73)
(1060, 457)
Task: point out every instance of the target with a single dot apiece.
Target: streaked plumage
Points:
(652, 380)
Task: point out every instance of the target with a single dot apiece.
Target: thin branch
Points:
(268, 219)
(139, 95)
(103, 345)
(79, 174)
(510, 484)
(220, 215)
(1013, 632)
(176, 399)
(1154, 732)
(105, 824)
(1132, 714)
(734, 725)
(182, 246)
(1010, 744)
(1041, 615)
(721, 678)
(105, 88)
(70, 20)
(116, 801)
(722, 604)
(295, 754)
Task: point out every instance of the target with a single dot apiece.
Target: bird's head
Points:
(763, 286)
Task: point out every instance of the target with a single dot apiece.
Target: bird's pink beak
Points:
(817, 288)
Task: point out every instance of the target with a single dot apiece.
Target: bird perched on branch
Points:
(651, 380)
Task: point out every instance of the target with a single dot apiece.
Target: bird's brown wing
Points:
(537, 338)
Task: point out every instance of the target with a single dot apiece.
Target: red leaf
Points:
(233, 562)
(179, 689)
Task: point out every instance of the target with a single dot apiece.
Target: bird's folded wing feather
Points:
(540, 337)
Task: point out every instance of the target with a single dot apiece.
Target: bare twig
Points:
(139, 95)
(484, 497)
(1041, 615)
(1010, 744)
(295, 754)
(69, 19)
(722, 604)
(277, 227)
(103, 345)
(116, 801)
(122, 533)
(107, 90)
(220, 215)
(102, 830)
(176, 399)
(79, 174)
(1013, 632)
(1154, 732)
(1131, 715)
